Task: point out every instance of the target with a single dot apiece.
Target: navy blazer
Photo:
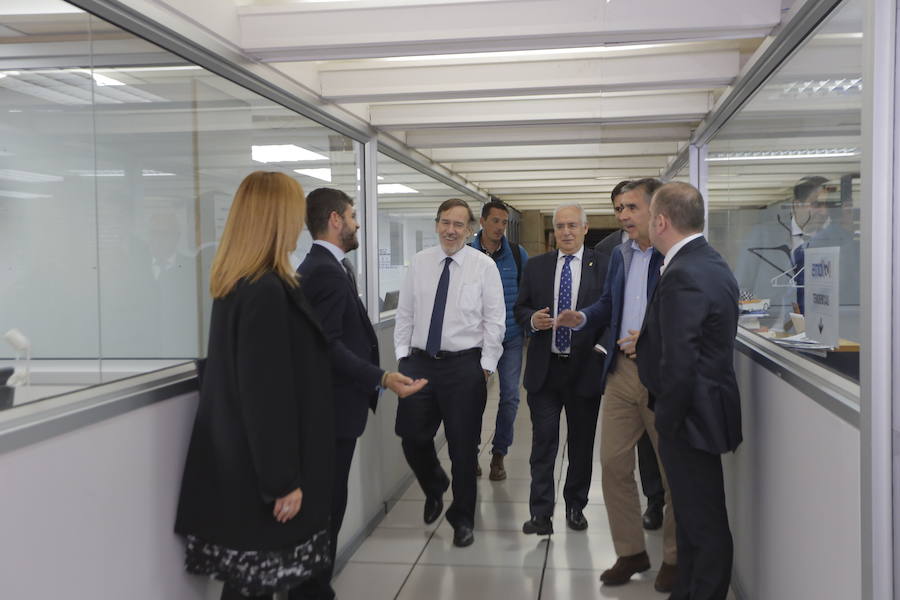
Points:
(607, 311)
(685, 352)
(352, 344)
(535, 293)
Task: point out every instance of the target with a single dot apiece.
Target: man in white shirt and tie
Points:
(451, 318)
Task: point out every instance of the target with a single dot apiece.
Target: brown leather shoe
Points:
(498, 473)
(626, 566)
(666, 578)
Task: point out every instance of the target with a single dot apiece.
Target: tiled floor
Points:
(404, 559)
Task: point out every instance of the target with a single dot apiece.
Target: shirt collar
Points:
(460, 256)
(674, 250)
(338, 254)
(560, 256)
(637, 247)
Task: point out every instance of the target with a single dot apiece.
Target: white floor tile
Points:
(490, 549)
(387, 545)
(372, 581)
(471, 583)
(407, 514)
(562, 584)
(580, 549)
(501, 516)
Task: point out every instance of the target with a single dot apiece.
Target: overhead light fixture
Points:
(380, 178)
(100, 79)
(515, 53)
(98, 173)
(22, 195)
(27, 176)
(5, 73)
(395, 188)
(819, 87)
(283, 153)
(152, 173)
(320, 174)
(782, 155)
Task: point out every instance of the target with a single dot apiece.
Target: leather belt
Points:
(560, 355)
(444, 354)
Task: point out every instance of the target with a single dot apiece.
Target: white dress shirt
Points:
(674, 250)
(575, 266)
(475, 314)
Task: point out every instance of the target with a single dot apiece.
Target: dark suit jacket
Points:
(262, 425)
(535, 293)
(351, 339)
(607, 312)
(685, 352)
(609, 243)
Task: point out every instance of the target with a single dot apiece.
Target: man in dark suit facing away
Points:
(685, 355)
(328, 280)
(562, 370)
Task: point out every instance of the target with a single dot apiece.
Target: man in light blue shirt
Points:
(633, 274)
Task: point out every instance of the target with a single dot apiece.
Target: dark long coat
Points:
(264, 422)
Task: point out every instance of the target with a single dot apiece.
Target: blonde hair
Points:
(263, 225)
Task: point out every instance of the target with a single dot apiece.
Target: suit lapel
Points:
(587, 270)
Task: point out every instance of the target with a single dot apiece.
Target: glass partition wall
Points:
(118, 164)
(784, 198)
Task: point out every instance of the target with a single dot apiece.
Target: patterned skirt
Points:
(259, 572)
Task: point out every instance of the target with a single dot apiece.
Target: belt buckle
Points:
(563, 355)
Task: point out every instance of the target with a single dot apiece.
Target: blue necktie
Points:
(564, 334)
(433, 345)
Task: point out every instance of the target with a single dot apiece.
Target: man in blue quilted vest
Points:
(510, 261)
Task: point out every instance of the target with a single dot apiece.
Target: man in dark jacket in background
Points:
(327, 278)
(510, 261)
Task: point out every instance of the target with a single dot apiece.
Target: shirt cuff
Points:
(401, 352)
(488, 365)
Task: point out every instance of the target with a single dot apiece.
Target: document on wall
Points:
(822, 303)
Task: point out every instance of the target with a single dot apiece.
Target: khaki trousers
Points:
(625, 416)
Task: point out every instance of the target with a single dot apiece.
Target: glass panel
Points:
(407, 205)
(119, 164)
(784, 195)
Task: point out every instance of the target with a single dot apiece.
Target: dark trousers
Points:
(651, 480)
(455, 395)
(230, 593)
(581, 418)
(705, 547)
(319, 586)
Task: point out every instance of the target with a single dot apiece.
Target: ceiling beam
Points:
(528, 78)
(598, 152)
(366, 30)
(677, 106)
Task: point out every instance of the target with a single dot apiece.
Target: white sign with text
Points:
(821, 298)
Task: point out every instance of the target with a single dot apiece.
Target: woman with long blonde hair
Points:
(255, 496)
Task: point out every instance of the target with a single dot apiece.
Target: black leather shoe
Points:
(575, 519)
(538, 525)
(434, 506)
(653, 516)
(463, 536)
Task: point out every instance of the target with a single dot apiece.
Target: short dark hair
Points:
(649, 185)
(451, 203)
(494, 203)
(618, 190)
(682, 203)
(806, 186)
(320, 203)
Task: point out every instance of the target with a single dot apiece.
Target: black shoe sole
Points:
(537, 530)
(576, 526)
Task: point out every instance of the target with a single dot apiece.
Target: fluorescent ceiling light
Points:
(380, 178)
(321, 174)
(283, 153)
(152, 173)
(783, 155)
(118, 173)
(5, 73)
(27, 176)
(395, 188)
(22, 195)
(526, 53)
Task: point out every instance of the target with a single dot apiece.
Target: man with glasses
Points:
(449, 330)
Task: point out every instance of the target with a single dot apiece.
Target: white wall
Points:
(89, 514)
(793, 491)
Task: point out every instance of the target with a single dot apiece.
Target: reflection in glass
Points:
(784, 179)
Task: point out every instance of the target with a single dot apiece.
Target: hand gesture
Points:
(628, 344)
(541, 319)
(287, 507)
(402, 385)
(569, 318)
